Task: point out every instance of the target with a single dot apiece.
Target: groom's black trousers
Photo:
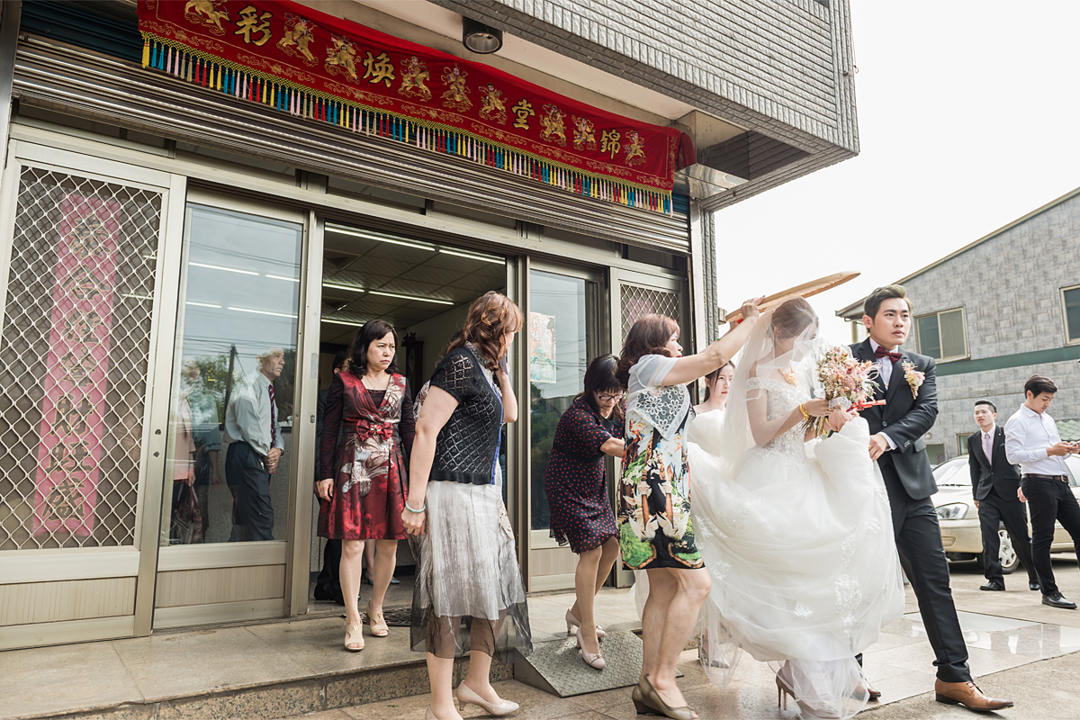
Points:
(918, 540)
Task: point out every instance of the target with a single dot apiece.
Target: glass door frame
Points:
(597, 343)
(273, 552)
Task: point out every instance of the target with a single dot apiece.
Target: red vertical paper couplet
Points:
(298, 60)
(76, 372)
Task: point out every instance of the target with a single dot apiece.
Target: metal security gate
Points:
(77, 332)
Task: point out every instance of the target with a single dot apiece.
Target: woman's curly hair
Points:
(648, 336)
(490, 317)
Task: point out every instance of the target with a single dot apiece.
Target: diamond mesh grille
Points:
(637, 301)
(24, 353)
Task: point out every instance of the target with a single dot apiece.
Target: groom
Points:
(908, 386)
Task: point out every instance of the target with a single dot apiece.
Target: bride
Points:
(795, 531)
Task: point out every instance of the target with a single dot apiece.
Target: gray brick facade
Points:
(783, 68)
(1009, 286)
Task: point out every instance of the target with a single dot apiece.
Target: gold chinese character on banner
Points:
(69, 418)
(635, 149)
(413, 76)
(379, 69)
(341, 58)
(81, 326)
(78, 366)
(554, 130)
(70, 458)
(584, 134)
(83, 284)
(64, 501)
(456, 96)
(252, 21)
(208, 13)
(522, 110)
(609, 142)
(298, 35)
(88, 237)
(493, 106)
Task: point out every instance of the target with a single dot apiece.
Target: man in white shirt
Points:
(255, 447)
(1032, 442)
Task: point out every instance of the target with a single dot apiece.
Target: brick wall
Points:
(1010, 289)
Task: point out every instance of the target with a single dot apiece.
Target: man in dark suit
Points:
(907, 383)
(994, 482)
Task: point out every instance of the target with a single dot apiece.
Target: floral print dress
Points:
(655, 529)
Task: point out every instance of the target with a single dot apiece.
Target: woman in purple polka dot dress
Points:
(578, 495)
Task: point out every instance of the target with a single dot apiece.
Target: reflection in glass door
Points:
(562, 336)
(231, 411)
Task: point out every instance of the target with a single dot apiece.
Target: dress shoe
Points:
(647, 701)
(967, 694)
(572, 622)
(467, 696)
(993, 585)
(1058, 601)
(1034, 585)
(595, 661)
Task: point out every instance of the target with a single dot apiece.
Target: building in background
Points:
(190, 186)
(995, 312)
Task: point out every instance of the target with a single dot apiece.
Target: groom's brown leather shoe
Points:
(969, 695)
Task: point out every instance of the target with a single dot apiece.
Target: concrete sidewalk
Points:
(286, 668)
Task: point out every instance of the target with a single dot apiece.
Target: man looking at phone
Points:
(1032, 441)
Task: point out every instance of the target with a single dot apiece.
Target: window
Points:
(961, 442)
(936, 453)
(941, 335)
(1070, 300)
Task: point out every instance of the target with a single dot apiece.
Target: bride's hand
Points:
(838, 418)
(749, 308)
(818, 407)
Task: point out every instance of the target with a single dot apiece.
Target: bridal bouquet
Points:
(847, 382)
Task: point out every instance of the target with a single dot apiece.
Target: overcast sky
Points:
(968, 119)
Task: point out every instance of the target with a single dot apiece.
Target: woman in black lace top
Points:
(468, 582)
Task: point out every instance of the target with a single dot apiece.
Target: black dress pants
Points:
(253, 514)
(918, 540)
(1050, 500)
(993, 511)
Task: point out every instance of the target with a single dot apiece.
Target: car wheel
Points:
(1007, 555)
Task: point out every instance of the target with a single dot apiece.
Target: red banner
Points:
(73, 410)
(313, 65)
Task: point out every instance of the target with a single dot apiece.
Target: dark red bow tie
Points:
(881, 352)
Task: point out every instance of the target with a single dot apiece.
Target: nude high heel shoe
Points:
(465, 695)
(652, 700)
(783, 689)
(596, 661)
(354, 638)
(572, 622)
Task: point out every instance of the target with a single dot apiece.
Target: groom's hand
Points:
(878, 446)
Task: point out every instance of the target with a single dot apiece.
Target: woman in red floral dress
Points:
(362, 493)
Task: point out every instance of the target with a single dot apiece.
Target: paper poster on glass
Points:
(541, 348)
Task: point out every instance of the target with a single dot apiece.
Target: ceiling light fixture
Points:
(472, 256)
(342, 322)
(399, 296)
(208, 266)
(339, 286)
(393, 240)
(480, 38)
(262, 312)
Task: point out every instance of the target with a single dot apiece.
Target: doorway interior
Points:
(424, 290)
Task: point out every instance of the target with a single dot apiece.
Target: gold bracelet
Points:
(802, 409)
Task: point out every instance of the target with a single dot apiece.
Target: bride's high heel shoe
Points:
(783, 689)
(573, 623)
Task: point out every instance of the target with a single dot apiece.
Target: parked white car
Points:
(960, 533)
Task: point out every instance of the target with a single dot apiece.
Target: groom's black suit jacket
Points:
(905, 419)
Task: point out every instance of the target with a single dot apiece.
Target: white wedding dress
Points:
(799, 542)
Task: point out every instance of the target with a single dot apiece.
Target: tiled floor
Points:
(1003, 630)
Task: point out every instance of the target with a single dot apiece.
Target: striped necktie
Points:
(273, 417)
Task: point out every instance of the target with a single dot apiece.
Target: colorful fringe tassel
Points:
(357, 118)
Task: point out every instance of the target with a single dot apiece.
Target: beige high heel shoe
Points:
(465, 695)
(354, 637)
(649, 698)
(572, 622)
(596, 661)
(376, 623)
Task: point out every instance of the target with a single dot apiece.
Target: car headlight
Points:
(952, 511)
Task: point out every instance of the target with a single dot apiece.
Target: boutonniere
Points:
(914, 377)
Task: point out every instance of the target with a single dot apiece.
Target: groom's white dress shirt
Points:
(885, 368)
(1028, 435)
